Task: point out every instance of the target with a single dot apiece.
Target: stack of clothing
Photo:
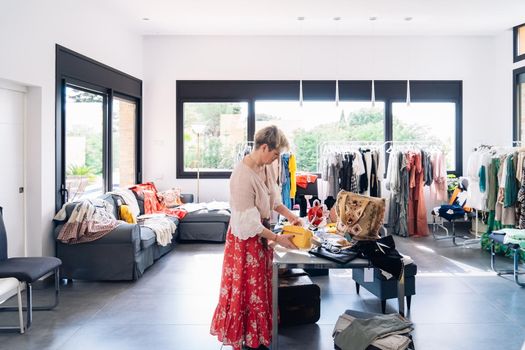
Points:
(357, 330)
(512, 236)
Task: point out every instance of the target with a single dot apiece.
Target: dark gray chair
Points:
(28, 270)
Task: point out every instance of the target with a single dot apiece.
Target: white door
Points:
(12, 115)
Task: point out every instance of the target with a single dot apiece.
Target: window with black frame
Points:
(98, 127)
(519, 104)
(519, 42)
(228, 113)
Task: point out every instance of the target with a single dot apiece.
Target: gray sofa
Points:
(123, 254)
(204, 225)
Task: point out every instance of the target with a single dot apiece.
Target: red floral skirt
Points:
(244, 312)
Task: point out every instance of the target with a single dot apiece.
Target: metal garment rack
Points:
(242, 149)
(342, 146)
(477, 239)
(432, 145)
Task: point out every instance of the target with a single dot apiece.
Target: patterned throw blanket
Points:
(89, 221)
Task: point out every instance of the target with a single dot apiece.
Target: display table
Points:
(284, 258)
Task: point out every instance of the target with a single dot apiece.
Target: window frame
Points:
(515, 35)
(516, 117)
(84, 73)
(387, 91)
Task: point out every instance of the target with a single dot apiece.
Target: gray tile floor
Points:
(460, 304)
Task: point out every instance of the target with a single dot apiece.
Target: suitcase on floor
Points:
(299, 301)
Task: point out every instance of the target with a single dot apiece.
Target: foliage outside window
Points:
(225, 129)
(124, 143)
(316, 122)
(84, 143)
(432, 123)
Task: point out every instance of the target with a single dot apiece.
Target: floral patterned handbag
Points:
(359, 216)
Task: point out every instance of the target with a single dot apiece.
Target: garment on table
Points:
(244, 311)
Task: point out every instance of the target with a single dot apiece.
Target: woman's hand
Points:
(295, 220)
(285, 241)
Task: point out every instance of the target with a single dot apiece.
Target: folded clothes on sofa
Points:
(163, 228)
(192, 207)
(214, 205)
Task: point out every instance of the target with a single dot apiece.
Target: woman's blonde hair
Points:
(273, 137)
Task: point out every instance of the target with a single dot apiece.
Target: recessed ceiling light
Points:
(300, 18)
(337, 18)
(372, 18)
(145, 18)
(408, 19)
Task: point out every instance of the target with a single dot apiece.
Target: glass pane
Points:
(213, 132)
(124, 143)
(318, 121)
(521, 108)
(427, 122)
(521, 40)
(84, 144)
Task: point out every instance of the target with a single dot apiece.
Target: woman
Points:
(243, 317)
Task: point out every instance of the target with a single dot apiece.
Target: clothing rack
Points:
(343, 146)
(404, 145)
(242, 149)
(495, 150)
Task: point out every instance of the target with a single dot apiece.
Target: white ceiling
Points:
(279, 17)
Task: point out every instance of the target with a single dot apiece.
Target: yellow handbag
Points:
(302, 237)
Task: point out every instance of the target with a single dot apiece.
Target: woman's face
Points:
(268, 155)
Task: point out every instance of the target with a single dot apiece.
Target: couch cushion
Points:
(147, 237)
(205, 215)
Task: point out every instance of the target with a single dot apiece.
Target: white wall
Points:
(29, 30)
(482, 63)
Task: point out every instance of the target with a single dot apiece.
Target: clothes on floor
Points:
(353, 331)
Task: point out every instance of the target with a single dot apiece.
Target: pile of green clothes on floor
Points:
(357, 330)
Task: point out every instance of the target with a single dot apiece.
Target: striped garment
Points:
(89, 221)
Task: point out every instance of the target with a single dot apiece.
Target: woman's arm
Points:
(291, 217)
(283, 240)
